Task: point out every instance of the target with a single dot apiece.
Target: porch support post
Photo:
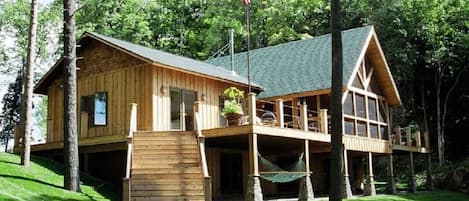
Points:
(306, 187)
(252, 109)
(429, 181)
(253, 190)
(323, 124)
(347, 186)
(418, 139)
(408, 136)
(370, 183)
(411, 188)
(391, 187)
(304, 116)
(279, 106)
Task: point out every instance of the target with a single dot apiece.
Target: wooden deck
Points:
(353, 143)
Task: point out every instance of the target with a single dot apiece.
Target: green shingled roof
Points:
(298, 66)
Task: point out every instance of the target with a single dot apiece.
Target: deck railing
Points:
(203, 158)
(410, 136)
(298, 117)
(126, 183)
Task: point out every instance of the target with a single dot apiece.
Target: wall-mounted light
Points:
(203, 97)
(164, 90)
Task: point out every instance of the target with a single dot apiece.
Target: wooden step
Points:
(169, 198)
(186, 181)
(158, 166)
(168, 133)
(165, 147)
(164, 160)
(167, 176)
(164, 142)
(166, 156)
(166, 170)
(143, 152)
(164, 187)
(138, 193)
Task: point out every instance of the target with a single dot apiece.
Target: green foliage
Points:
(233, 104)
(43, 180)
(420, 196)
(11, 109)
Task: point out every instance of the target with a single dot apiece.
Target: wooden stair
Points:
(166, 166)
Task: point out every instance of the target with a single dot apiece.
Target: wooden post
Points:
(391, 187)
(418, 140)
(253, 190)
(427, 139)
(304, 116)
(398, 135)
(198, 120)
(252, 108)
(370, 184)
(347, 187)
(411, 183)
(126, 189)
(208, 188)
(132, 128)
(408, 133)
(323, 124)
(306, 187)
(280, 119)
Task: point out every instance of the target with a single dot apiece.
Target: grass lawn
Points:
(43, 180)
(419, 196)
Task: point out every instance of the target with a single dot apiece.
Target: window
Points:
(349, 127)
(348, 105)
(361, 128)
(221, 103)
(382, 113)
(384, 132)
(372, 114)
(357, 83)
(100, 109)
(373, 130)
(360, 105)
(96, 107)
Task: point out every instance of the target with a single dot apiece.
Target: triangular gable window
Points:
(357, 83)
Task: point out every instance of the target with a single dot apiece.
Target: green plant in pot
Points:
(232, 108)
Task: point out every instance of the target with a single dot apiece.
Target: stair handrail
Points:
(203, 158)
(132, 128)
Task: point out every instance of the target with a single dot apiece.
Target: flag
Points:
(246, 2)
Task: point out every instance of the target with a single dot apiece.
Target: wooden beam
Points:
(398, 135)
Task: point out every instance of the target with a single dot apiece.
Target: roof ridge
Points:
(297, 41)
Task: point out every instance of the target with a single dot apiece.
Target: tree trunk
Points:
(336, 188)
(71, 175)
(28, 86)
(425, 118)
(441, 142)
(6, 143)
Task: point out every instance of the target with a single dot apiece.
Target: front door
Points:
(182, 109)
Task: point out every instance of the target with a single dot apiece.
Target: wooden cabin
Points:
(154, 119)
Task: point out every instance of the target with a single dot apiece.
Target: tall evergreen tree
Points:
(71, 176)
(28, 86)
(336, 188)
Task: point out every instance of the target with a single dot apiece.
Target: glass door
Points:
(182, 109)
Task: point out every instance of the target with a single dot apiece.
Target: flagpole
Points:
(248, 22)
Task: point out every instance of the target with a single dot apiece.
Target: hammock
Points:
(276, 174)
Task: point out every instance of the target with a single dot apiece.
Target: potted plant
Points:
(232, 108)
